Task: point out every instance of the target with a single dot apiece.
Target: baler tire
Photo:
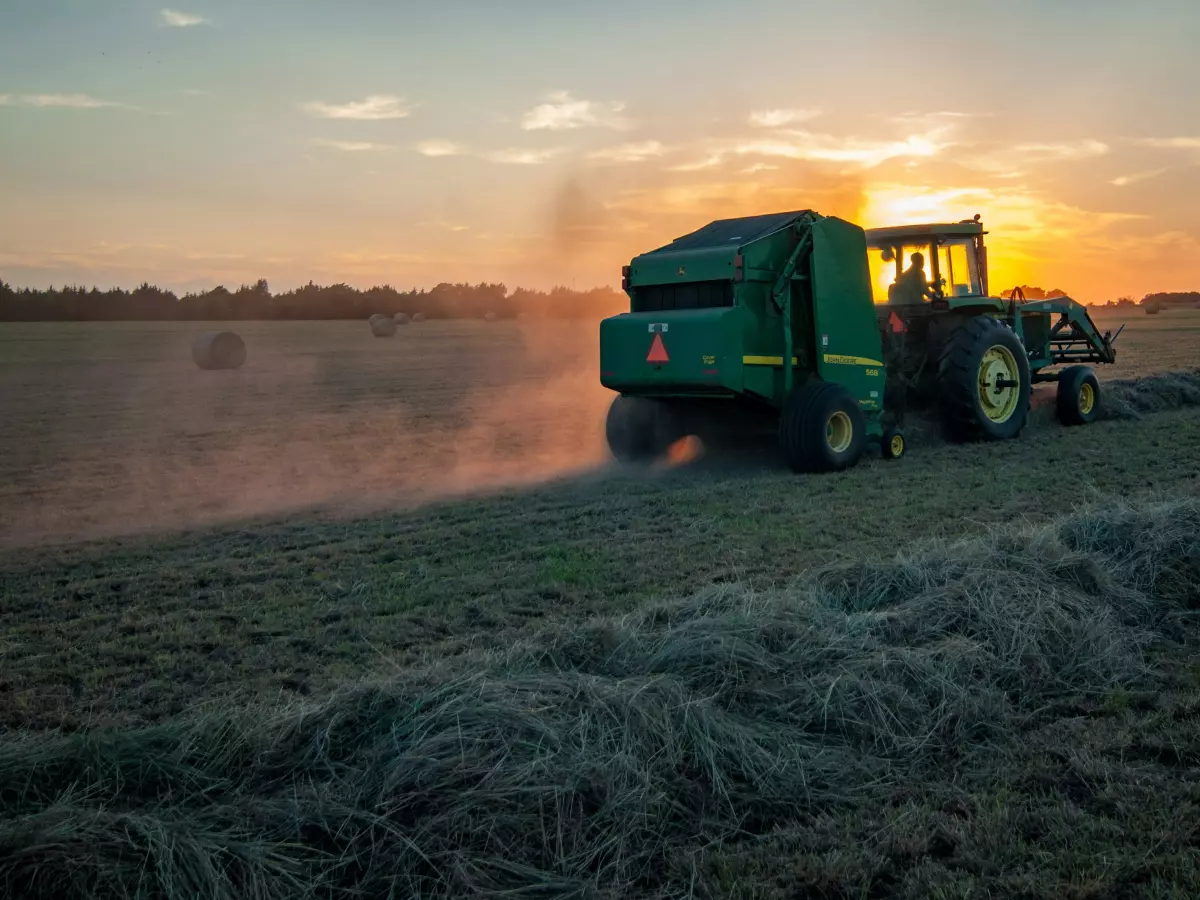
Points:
(963, 414)
(1079, 400)
(639, 429)
(809, 413)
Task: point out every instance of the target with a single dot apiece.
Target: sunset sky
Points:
(547, 141)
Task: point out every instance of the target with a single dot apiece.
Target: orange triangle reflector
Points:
(658, 351)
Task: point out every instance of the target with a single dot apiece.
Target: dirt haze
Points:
(599, 215)
(121, 433)
(110, 429)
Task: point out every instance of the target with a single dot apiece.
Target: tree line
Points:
(1158, 301)
(1030, 292)
(1155, 301)
(312, 301)
(341, 301)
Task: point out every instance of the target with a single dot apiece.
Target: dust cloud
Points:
(322, 418)
(596, 216)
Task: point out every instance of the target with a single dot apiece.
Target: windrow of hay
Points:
(596, 762)
(1125, 398)
(218, 350)
(1130, 398)
(382, 326)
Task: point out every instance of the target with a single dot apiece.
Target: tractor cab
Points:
(917, 264)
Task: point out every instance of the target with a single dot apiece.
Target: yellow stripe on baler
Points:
(765, 360)
(829, 358)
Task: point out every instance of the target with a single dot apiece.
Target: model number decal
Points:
(873, 372)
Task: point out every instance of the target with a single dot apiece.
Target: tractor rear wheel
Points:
(984, 382)
(1078, 396)
(640, 429)
(822, 428)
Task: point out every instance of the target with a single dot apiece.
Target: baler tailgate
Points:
(676, 352)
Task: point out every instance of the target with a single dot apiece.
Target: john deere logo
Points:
(682, 271)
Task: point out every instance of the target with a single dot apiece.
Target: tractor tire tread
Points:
(1070, 380)
(956, 366)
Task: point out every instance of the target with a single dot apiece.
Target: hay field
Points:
(1166, 342)
(714, 680)
(110, 427)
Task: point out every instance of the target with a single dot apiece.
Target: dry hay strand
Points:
(382, 326)
(400, 318)
(595, 760)
(218, 350)
(418, 317)
(1131, 398)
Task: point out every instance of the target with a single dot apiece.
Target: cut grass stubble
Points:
(596, 761)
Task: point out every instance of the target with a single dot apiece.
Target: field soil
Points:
(314, 548)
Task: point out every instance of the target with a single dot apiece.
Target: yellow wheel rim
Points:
(897, 445)
(1087, 398)
(998, 365)
(839, 432)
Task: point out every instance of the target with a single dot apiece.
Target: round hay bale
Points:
(418, 317)
(400, 318)
(382, 326)
(489, 317)
(218, 350)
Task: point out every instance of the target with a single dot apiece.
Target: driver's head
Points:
(918, 260)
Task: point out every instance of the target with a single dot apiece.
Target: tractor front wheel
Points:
(984, 382)
(1078, 396)
(892, 445)
(822, 428)
(639, 429)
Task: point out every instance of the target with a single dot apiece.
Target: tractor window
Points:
(956, 264)
(888, 265)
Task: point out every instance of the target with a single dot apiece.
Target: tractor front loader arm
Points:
(1074, 338)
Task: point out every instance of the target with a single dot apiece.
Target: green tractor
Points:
(815, 328)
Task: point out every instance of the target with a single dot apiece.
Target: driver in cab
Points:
(911, 286)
